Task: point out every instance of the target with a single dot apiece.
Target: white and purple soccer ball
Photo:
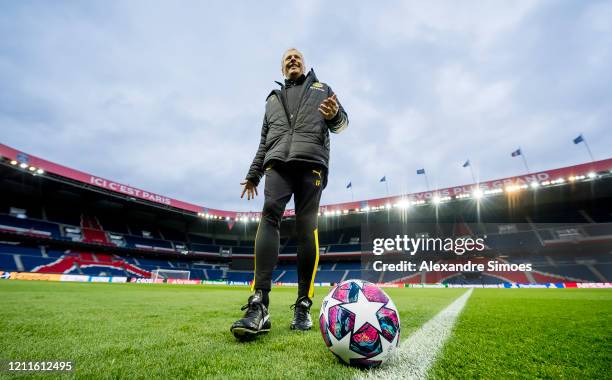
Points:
(359, 323)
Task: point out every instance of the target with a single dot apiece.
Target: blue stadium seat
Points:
(329, 276)
(197, 274)
(16, 249)
(205, 248)
(132, 241)
(214, 274)
(345, 248)
(28, 224)
(57, 254)
(326, 266)
(605, 270)
(290, 276)
(154, 263)
(31, 262)
(348, 265)
(575, 271)
(390, 276)
(7, 263)
(239, 276)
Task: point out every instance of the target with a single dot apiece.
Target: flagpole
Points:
(468, 163)
(588, 149)
(525, 162)
(387, 185)
(426, 181)
(524, 159)
(472, 171)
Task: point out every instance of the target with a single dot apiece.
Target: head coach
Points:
(293, 155)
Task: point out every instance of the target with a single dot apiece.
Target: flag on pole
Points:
(383, 179)
(420, 171)
(466, 164)
(349, 185)
(516, 153)
(579, 139)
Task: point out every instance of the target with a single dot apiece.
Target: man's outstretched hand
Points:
(329, 107)
(249, 189)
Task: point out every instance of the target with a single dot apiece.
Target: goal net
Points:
(170, 273)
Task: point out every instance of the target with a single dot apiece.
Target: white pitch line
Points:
(417, 354)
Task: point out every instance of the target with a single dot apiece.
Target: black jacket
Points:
(305, 137)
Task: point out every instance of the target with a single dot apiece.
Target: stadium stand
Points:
(566, 234)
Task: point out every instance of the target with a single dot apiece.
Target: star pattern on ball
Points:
(343, 345)
(365, 311)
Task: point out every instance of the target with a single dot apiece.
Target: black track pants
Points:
(306, 182)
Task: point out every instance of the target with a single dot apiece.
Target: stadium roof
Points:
(530, 181)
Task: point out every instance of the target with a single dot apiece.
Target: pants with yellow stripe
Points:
(305, 181)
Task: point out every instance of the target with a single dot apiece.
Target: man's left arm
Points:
(339, 121)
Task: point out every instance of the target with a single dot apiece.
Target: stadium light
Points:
(403, 204)
(40, 171)
(23, 165)
(32, 168)
(436, 200)
(512, 188)
(534, 185)
(478, 193)
(592, 175)
(558, 180)
(13, 162)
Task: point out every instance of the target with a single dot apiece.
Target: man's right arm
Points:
(256, 169)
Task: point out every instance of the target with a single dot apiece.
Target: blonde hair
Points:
(283, 60)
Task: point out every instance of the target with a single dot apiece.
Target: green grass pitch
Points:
(182, 331)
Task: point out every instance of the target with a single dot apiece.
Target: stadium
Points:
(129, 274)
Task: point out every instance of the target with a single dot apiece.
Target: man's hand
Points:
(249, 189)
(329, 107)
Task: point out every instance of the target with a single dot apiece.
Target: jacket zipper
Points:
(291, 121)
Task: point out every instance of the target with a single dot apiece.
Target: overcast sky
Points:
(169, 96)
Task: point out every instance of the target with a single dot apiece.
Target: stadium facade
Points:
(56, 221)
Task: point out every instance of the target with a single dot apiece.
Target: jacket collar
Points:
(310, 77)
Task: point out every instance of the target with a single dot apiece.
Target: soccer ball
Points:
(359, 323)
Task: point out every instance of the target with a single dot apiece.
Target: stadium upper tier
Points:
(528, 182)
(545, 268)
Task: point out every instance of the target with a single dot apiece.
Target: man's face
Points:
(293, 64)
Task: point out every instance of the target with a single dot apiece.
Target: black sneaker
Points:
(256, 319)
(301, 314)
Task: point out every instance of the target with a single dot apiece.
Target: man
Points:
(293, 155)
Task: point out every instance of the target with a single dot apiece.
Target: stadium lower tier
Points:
(18, 258)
